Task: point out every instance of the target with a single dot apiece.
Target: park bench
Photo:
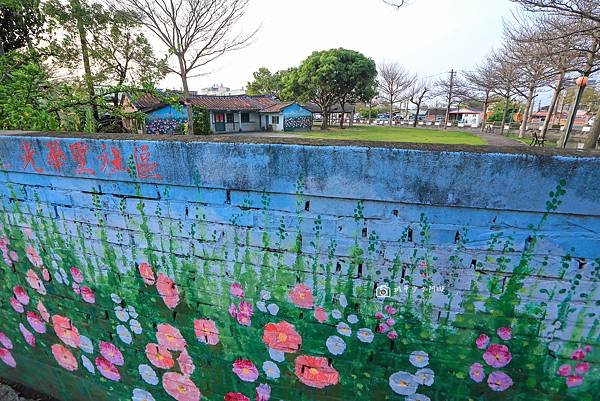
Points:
(536, 139)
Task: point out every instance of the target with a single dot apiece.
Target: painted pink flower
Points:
(236, 397)
(482, 341)
(245, 370)
(382, 328)
(232, 310)
(76, 274)
(378, 315)
(76, 288)
(244, 319)
(237, 291)
(13, 256)
(504, 333)
(246, 308)
(168, 291)
(45, 274)
(206, 331)
(186, 365)
(301, 296)
(390, 322)
(7, 358)
(582, 367)
(35, 282)
(27, 335)
(88, 295)
(574, 381)
(497, 356)
(111, 353)
(107, 369)
(16, 305)
(147, 273)
(43, 311)
(66, 331)
(21, 295)
(64, 357)
(390, 310)
(282, 336)
(499, 381)
(321, 315)
(392, 334)
(476, 372)
(170, 337)
(263, 392)
(36, 323)
(33, 256)
(588, 348)
(159, 356)
(5, 341)
(564, 370)
(578, 355)
(180, 387)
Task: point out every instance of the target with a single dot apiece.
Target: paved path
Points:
(499, 140)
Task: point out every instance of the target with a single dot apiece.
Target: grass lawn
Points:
(395, 134)
(528, 140)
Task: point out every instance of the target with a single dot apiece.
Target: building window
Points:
(245, 117)
(230, 119)
(274, 119)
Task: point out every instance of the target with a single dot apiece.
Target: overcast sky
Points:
(428, 37)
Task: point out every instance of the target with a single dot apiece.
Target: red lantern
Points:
(582, 81)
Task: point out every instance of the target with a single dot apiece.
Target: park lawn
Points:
(396, 134)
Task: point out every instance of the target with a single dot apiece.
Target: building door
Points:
(220, 122)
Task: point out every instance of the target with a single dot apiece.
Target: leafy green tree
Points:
(21, 23)
(267, 83)
(330, 76)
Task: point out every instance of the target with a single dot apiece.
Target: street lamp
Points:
(581, 83)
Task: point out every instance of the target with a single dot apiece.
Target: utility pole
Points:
(450, 90)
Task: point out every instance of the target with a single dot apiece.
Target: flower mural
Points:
(315, 371)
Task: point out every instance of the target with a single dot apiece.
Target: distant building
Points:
(467, 116)
(220, 90)
(235, 113)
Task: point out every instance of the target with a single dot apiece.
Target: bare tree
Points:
(394, 80)
(196, 32)
(506, 80)
(453, 90)
(418, 92)
(586, 9)
(396, 3)
(481, 85)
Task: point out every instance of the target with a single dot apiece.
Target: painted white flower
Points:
(115, 298)
(343, 301)
(132, 312)
(141, 395)
(124, 334)
(86, 344)
(261, 306)
(58, 277)
(335, 345)
(87, 364)
(271, 370)
(121, 313)
(135, 326)
(277, 356)
(336, 314)
(273, 309)
(420, 359)
(344, 329)
(417, 397)
(148, 374)
(425, 376)
(403, 383)
(265, 295)
(65, 277)
(365, 335)
(352, 319)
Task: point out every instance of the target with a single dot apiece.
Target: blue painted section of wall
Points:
(295, 110)
(169, 112)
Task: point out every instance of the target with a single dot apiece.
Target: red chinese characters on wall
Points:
(111, 159)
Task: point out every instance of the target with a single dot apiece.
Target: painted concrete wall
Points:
(163, 270)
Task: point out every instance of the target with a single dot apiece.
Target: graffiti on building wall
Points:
(165, 126)
(297, 123)
(145, 303)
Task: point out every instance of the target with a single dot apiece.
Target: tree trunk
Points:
(485, 109)
(391, 112)
(370, 109)
(186, 95)
(504, 115)
(553, 104)
(417, 114)
(591, 141)
(523, 126)
(343, 115)
(325, 118)
(89, 83)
